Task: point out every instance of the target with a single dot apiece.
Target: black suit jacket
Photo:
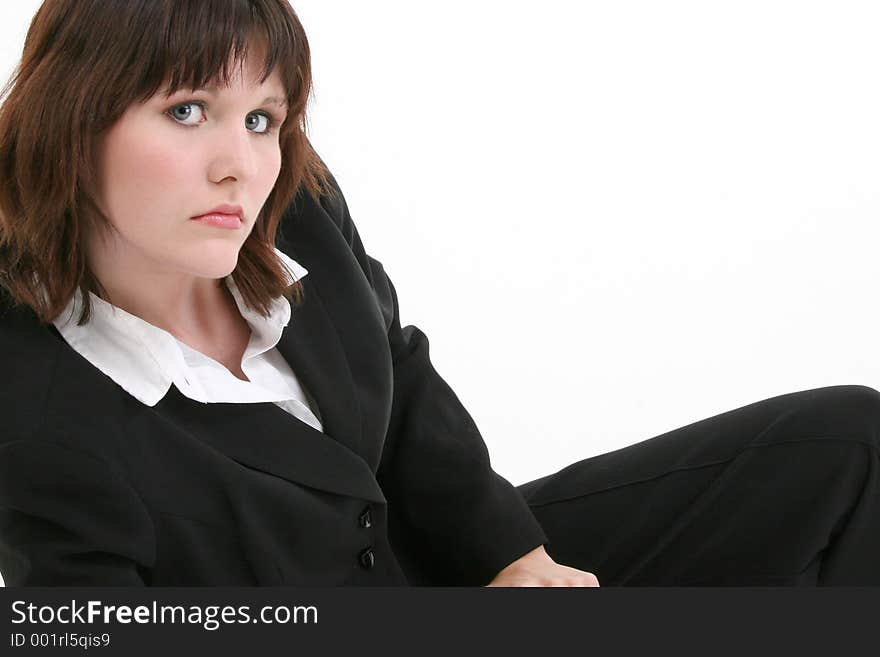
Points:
(99, 489)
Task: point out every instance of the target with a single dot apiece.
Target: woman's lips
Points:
(216, 220)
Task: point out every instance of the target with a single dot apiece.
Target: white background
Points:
(611, 219)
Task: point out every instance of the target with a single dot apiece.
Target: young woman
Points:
(205, 380)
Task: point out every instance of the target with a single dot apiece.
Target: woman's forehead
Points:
(250, 61)
(246, 75)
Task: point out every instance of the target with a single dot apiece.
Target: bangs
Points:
(189, 44)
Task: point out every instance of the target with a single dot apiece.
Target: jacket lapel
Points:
(266, 438)
(313, 350)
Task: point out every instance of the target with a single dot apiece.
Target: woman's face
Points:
(166, 161)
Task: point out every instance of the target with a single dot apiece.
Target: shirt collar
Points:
(144, 359)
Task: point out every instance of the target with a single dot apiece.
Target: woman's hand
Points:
(537, 569)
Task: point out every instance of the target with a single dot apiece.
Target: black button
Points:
(366, 519)
(367, 559)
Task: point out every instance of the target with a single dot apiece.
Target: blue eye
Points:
(269, 124)
(183, 116)
(265, 117)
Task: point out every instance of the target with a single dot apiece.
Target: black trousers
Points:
(781, 492)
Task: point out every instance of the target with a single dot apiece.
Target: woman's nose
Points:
(233, 155)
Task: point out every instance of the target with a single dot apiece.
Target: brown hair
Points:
(84, 62)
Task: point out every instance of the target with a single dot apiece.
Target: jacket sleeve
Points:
(452, 519)
(67, 519)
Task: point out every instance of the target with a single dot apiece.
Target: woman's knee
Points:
(843, 411)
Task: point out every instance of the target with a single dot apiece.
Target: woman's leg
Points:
(785, 491)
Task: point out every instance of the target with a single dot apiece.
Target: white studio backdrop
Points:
(611, 219)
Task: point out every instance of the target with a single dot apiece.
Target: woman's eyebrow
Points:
(274, 99)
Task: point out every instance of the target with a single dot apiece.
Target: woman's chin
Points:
(213, 262)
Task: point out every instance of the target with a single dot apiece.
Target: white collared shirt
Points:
(146, 360)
